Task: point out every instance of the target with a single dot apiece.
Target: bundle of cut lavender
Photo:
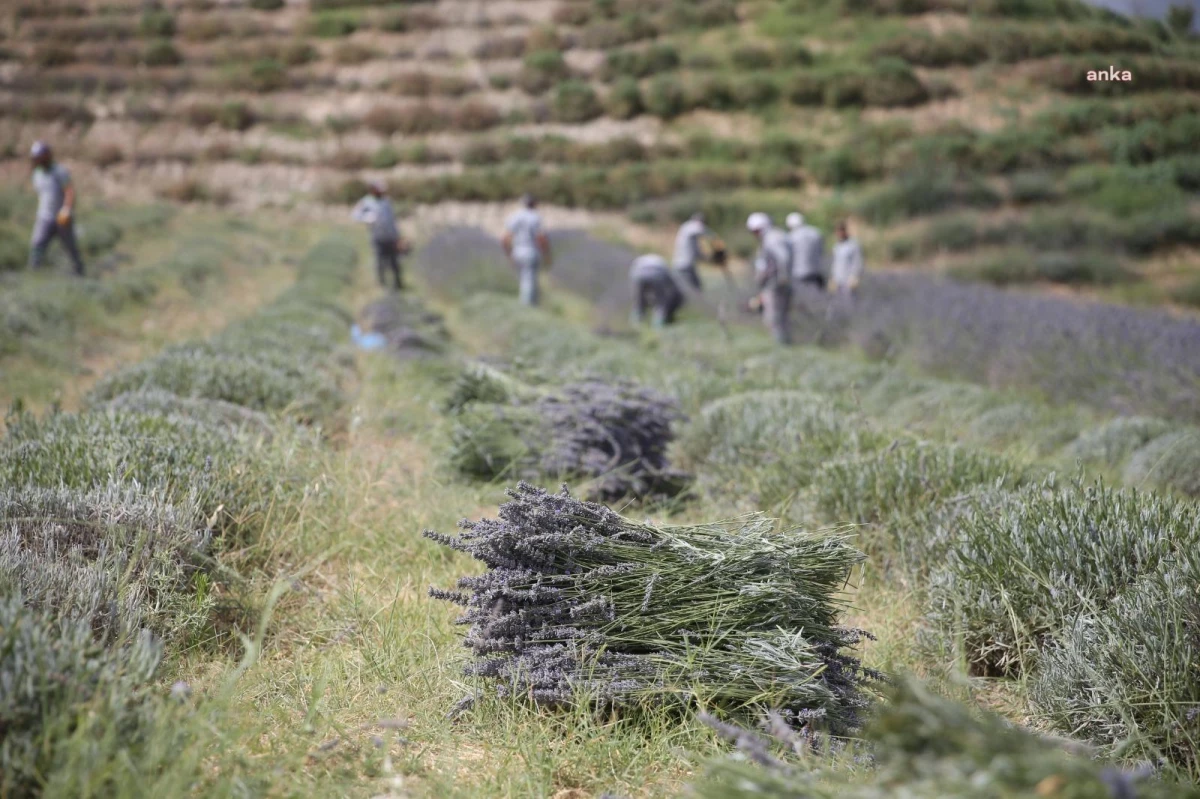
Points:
(614, 433)
(582, 604)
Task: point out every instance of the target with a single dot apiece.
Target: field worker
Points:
(773, 267)
(376, 212)
(56, 208)
(687, 249)
(654, 286)
(527, 246)
(848, 266)
(808, 253)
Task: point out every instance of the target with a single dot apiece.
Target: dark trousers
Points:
(387, 259)
(45, 231)
(662, 294)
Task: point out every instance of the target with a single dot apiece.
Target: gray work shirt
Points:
(379, 214)
(649, 267)
(524, 226)
(51, 186)
(775, 256)
(687, 244)
(808, 252)
(847, 262)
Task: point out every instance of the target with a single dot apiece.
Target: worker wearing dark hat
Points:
(56, 208)
(375, 210)
(527, 246)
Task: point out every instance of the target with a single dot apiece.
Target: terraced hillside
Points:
(960, 136)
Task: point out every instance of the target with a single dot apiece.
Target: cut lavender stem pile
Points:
(582, 604)
(615, 434)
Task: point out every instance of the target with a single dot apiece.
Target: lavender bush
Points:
(580, 603)
(924, 747)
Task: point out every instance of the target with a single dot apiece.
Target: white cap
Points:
(794, 220)
(758, 221)
(38, 149)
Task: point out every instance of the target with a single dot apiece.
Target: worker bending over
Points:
(527, 247)
(773, 268)
(653, 286)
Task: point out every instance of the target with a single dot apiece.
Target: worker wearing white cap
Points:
(848, 265)
(773, 265)
(687, 249)
(375, 210)
(653, 285)
(56, 208)
(808, 250)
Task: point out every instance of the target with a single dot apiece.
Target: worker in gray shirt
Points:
(527, 246)
(376, 212)
(808, 250)
(848, 265)
(654, 286)
(773, 267)
(56, 208)
(687, 249)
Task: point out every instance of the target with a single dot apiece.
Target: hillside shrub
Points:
(1020, 568)
(891, 83)
(331, 25)
(266, 5)
(608, 34)
(235, 115)
(541, 70)
(664, 97)
(1032, 186)
(753, 91)
(1015, 267)
(266, 75)
(575, 101)
(161, 54)
(353, 53)
(48, 56)
(624, 99)
(926, 191)
(156, 24)
(499, 47)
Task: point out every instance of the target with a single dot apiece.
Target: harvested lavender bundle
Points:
(617, 434)
(581, 602)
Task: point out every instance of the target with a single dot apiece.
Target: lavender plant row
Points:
(1126, 360)
(579, 603)
(615, 434)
